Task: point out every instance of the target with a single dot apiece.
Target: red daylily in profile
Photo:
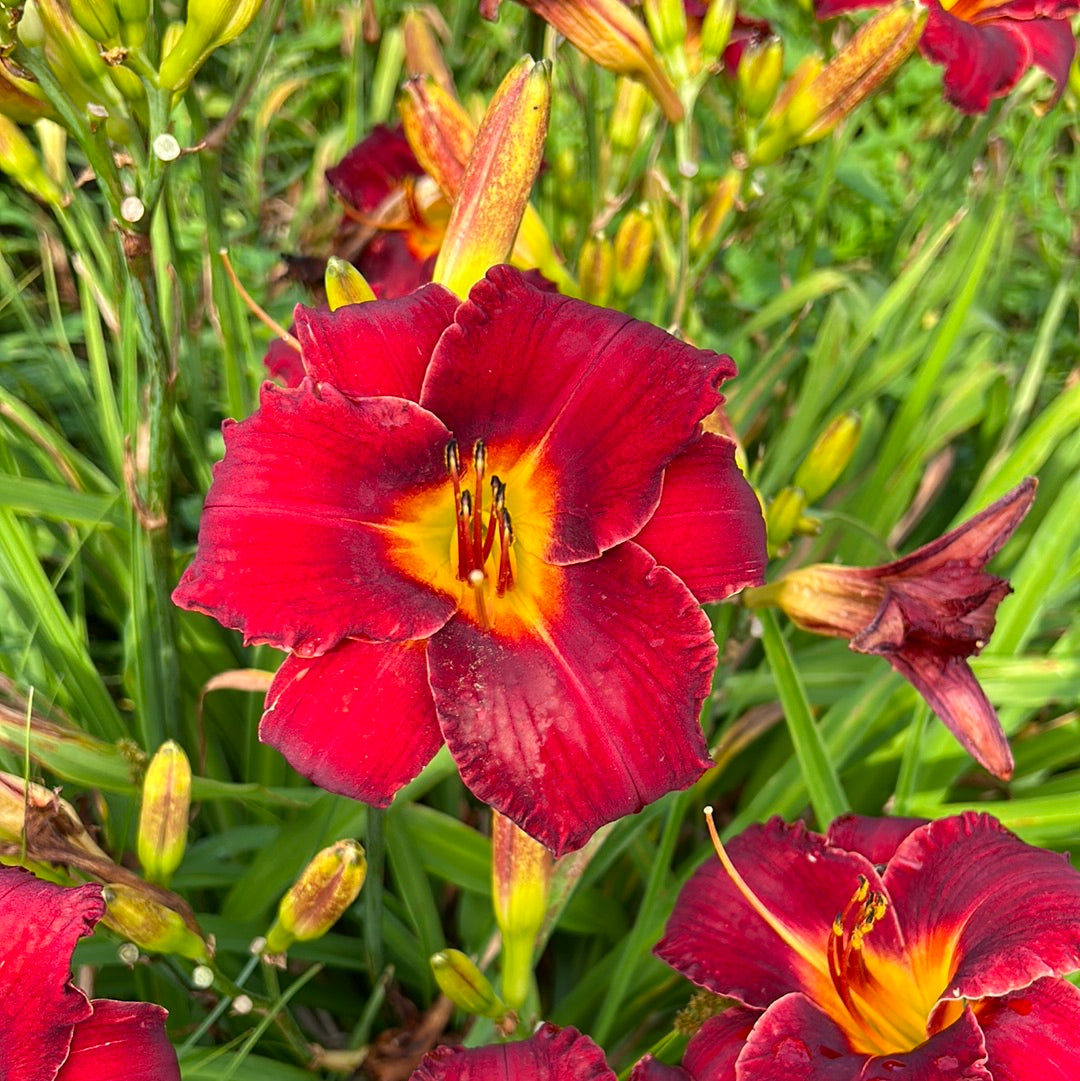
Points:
(925, 614)
(942, 965)
(550, 1054)
(488, 523)
(50, 1030)
(985, 46)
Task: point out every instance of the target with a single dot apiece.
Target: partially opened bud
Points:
(783, 516)
(319, 897)
(596, 269)
(345, 284)
(465, 985)
(209, 25)
(149, 924)
(20, 161)
(521, 883)
(828, 457)
(163, 818)
(879, 47)
(633, 250)
(761, 67)
(498, 179)
(439, 131)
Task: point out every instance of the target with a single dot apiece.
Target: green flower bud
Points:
(706, 227)
(633, 247)
(596, 269)
(345, 284)
(98, 18)
(631, 100)
(828, 457)
(163, 819)
(716, 29)
(465, 985)
(209, 25)
(148, 923)
(666, 20)
(319, 897)
(782, 516)
(758, 78)
(20, 161)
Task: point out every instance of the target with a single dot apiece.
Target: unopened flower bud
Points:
(761, 67)
(596, 269)
(777, 136)
(20, 161)
(624, 132)
(319, 897)
(163, 818)
(521, 883)
(21, 98)
(148, 923)
(782, 516)
(98, 18)
(345, 284)
(716, 30)
(133, 18)
(877, 49)
(498, 179)
(666, 20)
(707, 224)
(465, 985)
(828, 457)
(439, 131)
(70, 41)
(422, 53)
(633, 248)
(209, 25)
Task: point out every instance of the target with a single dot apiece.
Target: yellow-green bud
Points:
(828, 457)
(666, 20)
(319, 897)
(98, 18)
(422, 53)
(782, 516)
(345, 284)
(133, 18)
(209, 25)
(716, 29)
(521, 884)
(631, 99)
(71, 42)
(596, 269)
(465, 985)
(163, 818)
(31, 30)
(149, 924)
(633, 248)
(708, 223)
(20, 161)
(758, 78)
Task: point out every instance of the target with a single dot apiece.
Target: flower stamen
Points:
(477, 580)
(506, 538)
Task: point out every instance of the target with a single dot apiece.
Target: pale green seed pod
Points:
(163, 817)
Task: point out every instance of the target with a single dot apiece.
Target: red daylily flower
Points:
(985, 46)
(925, 614)
(550, 1054)
(400, 213)
(490, 524)
(50, 1030)
(942, 965)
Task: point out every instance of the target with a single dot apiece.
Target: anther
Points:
(479, 466)
(453, 459)
(506, 539)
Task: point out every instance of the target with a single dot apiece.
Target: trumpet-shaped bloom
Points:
(550, 1054)
(50, 1030)
(925, 614)
(884, 950)
(985, 46)
(490, 524)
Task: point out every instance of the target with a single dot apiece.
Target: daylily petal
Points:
(954, 694)
(373, 168)
(121, 1039)
(589, 710)
(827, 9)
(603, 401)
(292, 543)
(795, 1041)
(1038, 1024)
(982, 912)
(367, 350)
(41, 923)
(715, 938)
(712, 1052)
(1053, 45)
(338, 718)
(392, 269)
(284, 364)
(708, 528)
(876, 838)
(551, 1054)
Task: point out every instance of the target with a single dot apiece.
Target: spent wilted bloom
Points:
(51, 1030)
(489, 523)
(985, 46)
(926, 614)
(884, 949)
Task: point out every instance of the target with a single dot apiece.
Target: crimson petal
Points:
(374, 168)
(1004, 912)
(876, 838)
(121, 1039)
(717, 940)
(602, 400)
(708, 528)
(1038, 1024)
(795, 1041)
(714, 1049)
(40, 924)
(292, 544)
(383, 348)
(827, 9)
(589, 714)
(549, 1055)
(359, 720)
